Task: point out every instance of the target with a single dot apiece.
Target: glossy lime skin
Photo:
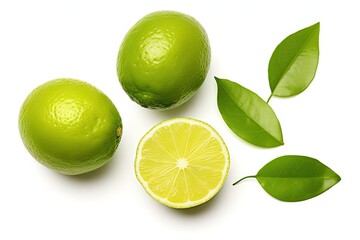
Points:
(163, 59)
(70, 126)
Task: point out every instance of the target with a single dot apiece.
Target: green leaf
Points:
(293, 64)
(295, 178)
(247, 115)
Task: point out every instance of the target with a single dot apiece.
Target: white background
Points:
(44, 40)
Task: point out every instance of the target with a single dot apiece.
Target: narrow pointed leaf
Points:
(293, 64)
(294, 178)
(247, 115)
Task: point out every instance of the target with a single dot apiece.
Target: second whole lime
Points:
(70, 126)
(163, 59)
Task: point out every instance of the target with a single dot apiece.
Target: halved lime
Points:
(182, 162)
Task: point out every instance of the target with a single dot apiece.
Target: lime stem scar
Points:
(118, 132)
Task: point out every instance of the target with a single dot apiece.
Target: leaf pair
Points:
(291, 69)
(294, 178)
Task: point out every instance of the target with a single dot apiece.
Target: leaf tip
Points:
(317, 25)
(338, 178)
(216, 78)
(281, 141)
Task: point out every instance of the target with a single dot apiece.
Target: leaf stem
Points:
(253, 176)
(269, 98)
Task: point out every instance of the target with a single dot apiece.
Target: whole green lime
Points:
(163, 59)
(70, 126)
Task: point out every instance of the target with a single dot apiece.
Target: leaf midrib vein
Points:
(328, 177)
(250, 116)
